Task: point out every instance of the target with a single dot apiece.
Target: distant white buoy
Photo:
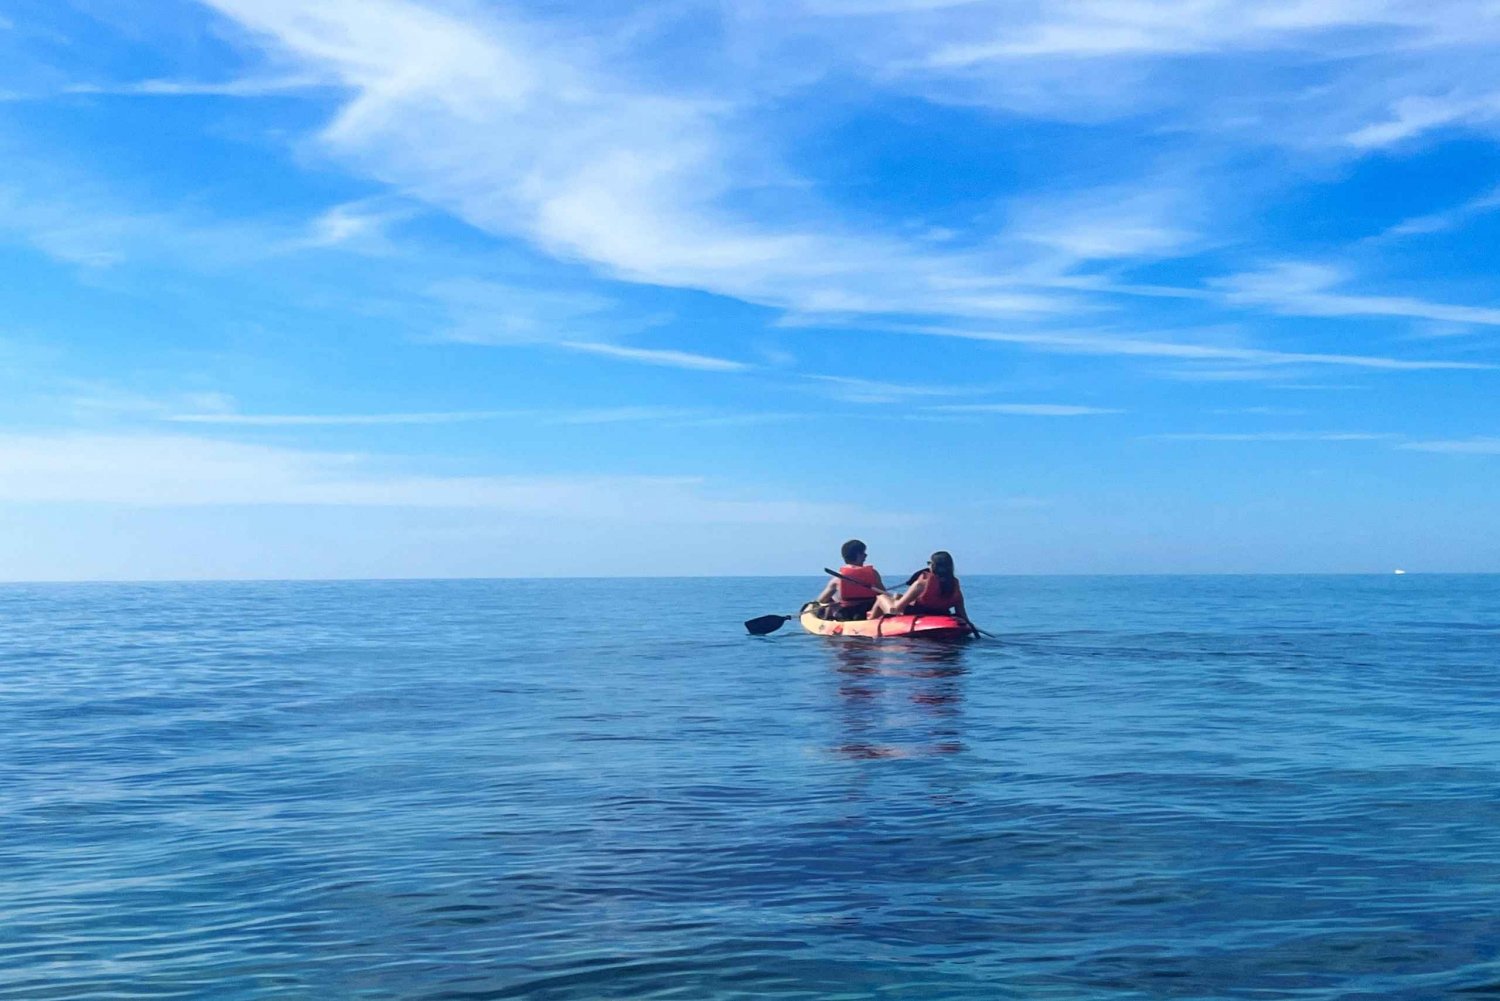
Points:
(1400, 571)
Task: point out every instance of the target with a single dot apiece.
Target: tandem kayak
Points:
(935, 627)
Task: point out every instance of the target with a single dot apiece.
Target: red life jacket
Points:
(863, 591)
(932, 601)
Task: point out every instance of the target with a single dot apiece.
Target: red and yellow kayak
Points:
(937, 627)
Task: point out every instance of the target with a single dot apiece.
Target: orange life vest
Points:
(932, 600)
(863, 591)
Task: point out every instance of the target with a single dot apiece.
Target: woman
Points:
(934, 591)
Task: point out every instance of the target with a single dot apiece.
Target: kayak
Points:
(935, 627)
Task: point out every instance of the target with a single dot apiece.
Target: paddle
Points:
(764, 625)
(840, 576)
(767, 624)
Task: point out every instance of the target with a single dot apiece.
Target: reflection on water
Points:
(899, 700)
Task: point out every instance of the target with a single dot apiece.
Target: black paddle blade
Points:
(766, 624)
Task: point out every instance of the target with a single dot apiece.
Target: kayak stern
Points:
(937, 627)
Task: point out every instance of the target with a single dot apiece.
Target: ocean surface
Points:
(1148, 787)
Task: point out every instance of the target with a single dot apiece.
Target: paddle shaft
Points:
(851, 580)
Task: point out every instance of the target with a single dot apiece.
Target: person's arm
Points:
(826, 595)
(958, 605)
(879, 584)
(912, 594)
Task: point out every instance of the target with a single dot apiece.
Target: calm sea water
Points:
(1256, 787)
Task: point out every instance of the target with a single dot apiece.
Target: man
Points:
(851, 599)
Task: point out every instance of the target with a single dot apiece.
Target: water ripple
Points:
(1153, 787)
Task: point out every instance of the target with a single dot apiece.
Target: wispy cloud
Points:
(363, 223)
(86, 231)
(1298, 288)
(1322, 70)
(1024, 409)
(335, 420)
(72, 217)
(1414, 116)
(658, 356)
(185, 471)
(1069, 342)
(1332, 436)
(1302, 289)
(1457, 446)
(595, 152)
(247, 87)
(1110, 223)
(93, 399)
(494, 122)
(1437, 222)
(603, 415)
(854, 390)
(1121, 29)
(497, 122)
(502, 313)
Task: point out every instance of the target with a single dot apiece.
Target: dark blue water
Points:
(1248, 787)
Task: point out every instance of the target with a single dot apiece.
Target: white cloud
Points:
(594, 151)
(1106, 286)
(1303, 74)
(1069, 342)
(92, 400)
(602, 415)
(544, 131)
(1109, 223)
(363, 223)
(93, 236)
(519, 133)
(657, 356)
(335, 420)
(1458, 446)
(493, 312)
(1024, 409)
(247, 87)
(854, 390)
(1095, 29)
(1273, 436)
(1437, 222)
(71, 217)
(1301, 289)
(1414, 116)
(184, 471)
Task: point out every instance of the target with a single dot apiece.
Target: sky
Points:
(451, 288)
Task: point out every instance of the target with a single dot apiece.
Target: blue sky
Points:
(386, 288)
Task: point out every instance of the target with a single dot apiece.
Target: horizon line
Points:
(567, 577)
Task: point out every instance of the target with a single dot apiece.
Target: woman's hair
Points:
(852, 550)
(942, 568)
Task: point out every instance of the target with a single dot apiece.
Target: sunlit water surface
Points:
(1259, 787)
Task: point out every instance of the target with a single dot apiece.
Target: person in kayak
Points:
(934, 591)
(843, 599)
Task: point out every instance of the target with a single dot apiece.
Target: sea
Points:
(1137, 787)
